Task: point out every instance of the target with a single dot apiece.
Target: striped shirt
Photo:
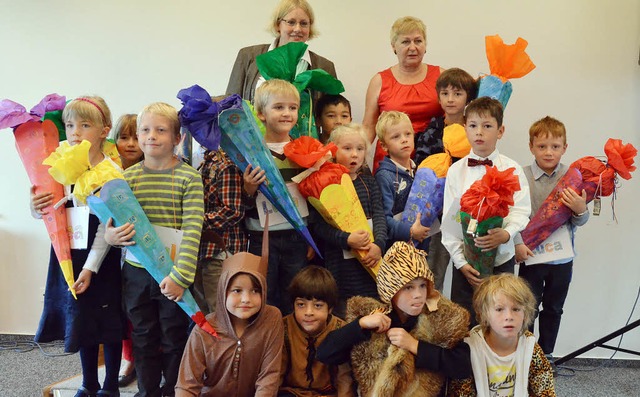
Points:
(173, 198)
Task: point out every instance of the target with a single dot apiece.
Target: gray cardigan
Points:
(244, 74)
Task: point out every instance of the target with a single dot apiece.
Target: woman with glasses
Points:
(293, 20)
(408, 86)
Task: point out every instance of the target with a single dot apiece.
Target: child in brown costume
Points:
(408, 344)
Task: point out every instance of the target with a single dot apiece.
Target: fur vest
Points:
(383, 370)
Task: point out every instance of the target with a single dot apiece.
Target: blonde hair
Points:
(406, 25)
(285, 7)
(164, 110)
(126, 122)
(512, 287)
(350, 129)
(548, 126)
(91, 108)
(389, 118)
(270, 88)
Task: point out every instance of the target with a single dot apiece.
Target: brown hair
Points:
(458, 78)
(126, 122)
(314, 282)
(511, 286)
(547, 126)
(254, 281)
(485, 106)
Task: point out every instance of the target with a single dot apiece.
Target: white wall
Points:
(136, 52)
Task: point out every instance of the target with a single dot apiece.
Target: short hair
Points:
(270, 88)
(548, 126)
(458, 78)
(350, 129)
(285, 7)
(485, 106)
(164, 110)
(511, 286)
(328, 100)
(91, 108)
(314, 282)
(389, 118)
(126, 122)
(406, 25)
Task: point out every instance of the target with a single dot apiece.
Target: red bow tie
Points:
(473, 162)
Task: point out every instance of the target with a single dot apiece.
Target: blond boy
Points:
(395, 175)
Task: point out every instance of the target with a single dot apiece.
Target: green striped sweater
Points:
(173, 198)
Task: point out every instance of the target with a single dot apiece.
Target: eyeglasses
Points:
(292, 23)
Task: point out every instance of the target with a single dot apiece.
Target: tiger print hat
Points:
(401, 264)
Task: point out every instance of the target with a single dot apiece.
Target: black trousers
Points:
(550, 285)
(160, 332)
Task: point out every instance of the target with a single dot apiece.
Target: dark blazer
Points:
(244, 74)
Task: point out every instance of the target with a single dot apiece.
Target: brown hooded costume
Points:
(382, 369)
(235, 366)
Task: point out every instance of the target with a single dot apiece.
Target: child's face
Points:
(506, 317)
(398, 141)
(453, 100)
(156, 136)
(311, 314)
(79, 130)
(411, 298)
(351, 152)
(128, 147)
(547, 151)
(243, 299)
(333, 116)
(483, 133)
(280, 114)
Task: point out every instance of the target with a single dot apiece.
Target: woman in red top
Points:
(408, 86)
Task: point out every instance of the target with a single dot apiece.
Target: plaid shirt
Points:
(224, 205)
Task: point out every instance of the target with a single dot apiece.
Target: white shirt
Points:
(459, 179)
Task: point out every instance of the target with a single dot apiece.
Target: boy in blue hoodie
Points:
(395, 175)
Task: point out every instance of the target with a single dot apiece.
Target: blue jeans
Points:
(287, 256)
(462, 291)
(550, 285)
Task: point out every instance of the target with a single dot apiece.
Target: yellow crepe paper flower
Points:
(70, 166)
(69, 162)
(111, 150)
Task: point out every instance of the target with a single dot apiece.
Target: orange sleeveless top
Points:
(419, 101)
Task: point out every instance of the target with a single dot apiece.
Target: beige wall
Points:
(135, 52)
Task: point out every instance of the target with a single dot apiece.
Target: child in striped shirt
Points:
(171, 194)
